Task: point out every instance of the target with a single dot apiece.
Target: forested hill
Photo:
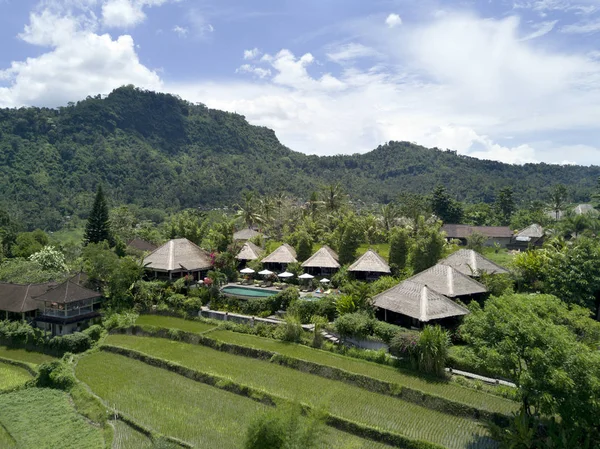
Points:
(157, 150)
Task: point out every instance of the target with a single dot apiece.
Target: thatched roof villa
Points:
(370, 266)
(411, 304)
(249, 252)
(324, 262)
(532, 235)
(448, 281)
(178, 258)
(245, 234)
(280, 258)
(471, 263)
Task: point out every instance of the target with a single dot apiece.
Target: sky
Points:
(515, 81)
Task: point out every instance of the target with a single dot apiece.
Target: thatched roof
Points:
(249, 252)
(141, 245)
(448, 281)
(459, 231)
(284, 254)
(66, 293)
(370, 262)
(470, 262)
(178, 255)
(534, 231)
(245, 234)
(18, 298)
(418, 301)
(323, 258)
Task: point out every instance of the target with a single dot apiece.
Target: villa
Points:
(370, 266)
(279, 259)
(471, 263)
(324, 262)
(178, 258)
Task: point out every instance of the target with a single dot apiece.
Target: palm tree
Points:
(575, 224)
(248, 209)
(333, 196)
(558, 197)
(267, 208)
(314, 205)
(389, 215)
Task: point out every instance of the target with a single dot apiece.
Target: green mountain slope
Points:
(157, 150)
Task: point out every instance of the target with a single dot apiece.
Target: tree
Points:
(50, 259)
(558, 196)
(549, 350)
(389, 215)
(333, 197)
(476, 241)
(413, 205)
(28, 243)
(98, 228)
(428, 246)
(444, 207)
(349, 242)
(505, 204)
(433, 350)
(399, 248)
(249, 209)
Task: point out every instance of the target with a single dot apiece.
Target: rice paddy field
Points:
(126, 437)
(12, 376)
(343, 400)
(457, 393)
(196, 327)
(176, 406)
(38, 418)
(23, 355)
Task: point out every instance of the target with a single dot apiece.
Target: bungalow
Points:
(369, 266)
(279, 259)
(16, 300)
(178, 258)
(472, 263)
(411, 304)
(532, 236)
(245, 234)
(449, 282)
(249, 252)
(324, 262)
(67, 308)
(495, 234)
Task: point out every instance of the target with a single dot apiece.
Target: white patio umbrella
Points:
(265, 273)
(247, 271)
(286, 274)
(325, 281)
(306, 276)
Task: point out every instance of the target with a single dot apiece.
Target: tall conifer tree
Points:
(97, 228)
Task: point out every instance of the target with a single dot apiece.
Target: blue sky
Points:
(516, 81)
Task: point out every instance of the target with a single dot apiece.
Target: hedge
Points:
(22, 335)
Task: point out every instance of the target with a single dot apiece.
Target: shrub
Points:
(405, 345)
(114, 320)
(291, 330)
(56, 374)
(433, 350)
(94, 332)
(75, 343)
(176, 301)
(385, 331)
(192, 305)
(345, 305)
(359, 325)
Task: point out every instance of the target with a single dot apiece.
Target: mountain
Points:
(159, 151)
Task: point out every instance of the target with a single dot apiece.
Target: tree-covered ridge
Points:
(156, 150)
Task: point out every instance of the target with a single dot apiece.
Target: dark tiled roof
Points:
(67, 292)
(18, 298)
(458, 231)
(141, 245)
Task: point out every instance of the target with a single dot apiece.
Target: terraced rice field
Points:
(173, 405)
(196, 327)
(45, 419)
(457, 393)
(12, 376)
(6, 441)
(128, 438)
(346, 401)
(22, 355)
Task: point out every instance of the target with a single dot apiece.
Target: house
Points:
(141, 246)
(67, 307)
(279, 259)
(324, 262)
(16, 300)
(178, 258)
(531, 236)
(448, 281)
(249, 252)
(472, 263)
(369, 266)
(580, 209)
(411, 304)
(501, 235)
(245, 234)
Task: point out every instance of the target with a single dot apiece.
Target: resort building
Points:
(249, 252)
(16, 300)
(532, 236)
(502, 235)
(370, 266)
(245, 234)
(279, 259)
(67, 308)
(472, 263)
(449, 282)
(140, 246)
(411, 304)
(178, 258)
(324, 262)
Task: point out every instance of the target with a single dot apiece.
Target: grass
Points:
(196, 327)
(22, 355)
(129, 438)
(446, 390)
(346, 401)
(383, 249)
(6, 441)
(45, 419)
(12, 376)
(64, 236)
(502, 257)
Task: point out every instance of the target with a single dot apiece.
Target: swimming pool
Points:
(245, 292)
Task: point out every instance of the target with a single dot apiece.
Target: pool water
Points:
(247, 292)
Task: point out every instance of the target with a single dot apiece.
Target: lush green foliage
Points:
(97, 229)
(20, 333)
(12, 376)
(432, 350)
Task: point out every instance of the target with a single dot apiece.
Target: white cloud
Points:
(351, 51)
(126, 13)
(47, 28)
(393, 20)
(541, 29)
(587, 27)
(251, 54)
(258, 71)
(181, 31)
